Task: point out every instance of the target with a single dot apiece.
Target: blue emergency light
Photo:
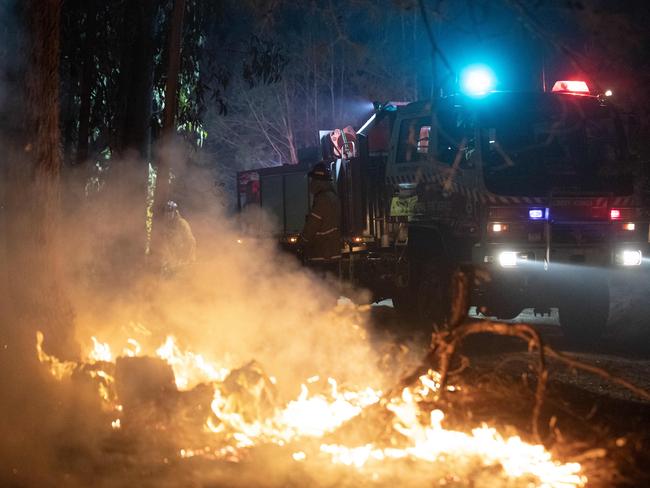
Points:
(538, 213)
(477, 80)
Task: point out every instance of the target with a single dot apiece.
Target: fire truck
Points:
(534, 196)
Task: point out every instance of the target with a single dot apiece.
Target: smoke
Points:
(242, 299)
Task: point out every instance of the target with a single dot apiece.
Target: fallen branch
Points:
(444, 346)
(447, 343)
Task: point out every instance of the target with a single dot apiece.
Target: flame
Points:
(310, 415)
(106, 384)
(133, 349)
(189, 369)
(323, 406)
(432, 443)
(58, 369)
(101, 351)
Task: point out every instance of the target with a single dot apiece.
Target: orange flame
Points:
(312, 415)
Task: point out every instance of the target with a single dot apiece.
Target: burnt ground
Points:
(582, 412)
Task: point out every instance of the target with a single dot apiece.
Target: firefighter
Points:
(320, 240)
(178, 244)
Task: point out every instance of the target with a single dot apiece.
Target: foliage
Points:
(265, 62)
(204, 75)
(258, 79)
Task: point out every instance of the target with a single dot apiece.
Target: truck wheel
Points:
(433, 297)
(584, 311)
(428, 300)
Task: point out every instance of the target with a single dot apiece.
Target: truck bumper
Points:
(516, 277)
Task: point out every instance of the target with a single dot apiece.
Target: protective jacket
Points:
(179, 244)
(321, 236)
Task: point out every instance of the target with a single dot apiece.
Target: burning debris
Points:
(227, 415)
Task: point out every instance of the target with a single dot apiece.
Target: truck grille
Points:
(578, 234)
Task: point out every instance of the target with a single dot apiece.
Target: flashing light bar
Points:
(614, 214)
(570, 86)
(477, 80)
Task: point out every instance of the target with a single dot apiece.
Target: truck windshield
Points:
(558, 143)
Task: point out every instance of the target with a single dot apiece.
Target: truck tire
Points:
(433, 295)
(428, 302)
(584, 311)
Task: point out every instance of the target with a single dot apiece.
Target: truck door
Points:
(432, 166)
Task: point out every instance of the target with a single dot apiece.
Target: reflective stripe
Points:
(316, 215)
(327, 231)
(331, 258)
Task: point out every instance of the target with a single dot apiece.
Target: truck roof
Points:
(503, 100)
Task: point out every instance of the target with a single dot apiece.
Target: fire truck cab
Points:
(533, 196)
(535, 193)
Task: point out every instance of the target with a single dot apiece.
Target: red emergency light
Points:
(624, 214)
(570, 86)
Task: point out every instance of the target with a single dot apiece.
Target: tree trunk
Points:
(68, 115)
(33, 295)
(171, 101)
(33, 200)
(87, 81)
(331, 87)
(162, 193)
(136, 78)
(69, 81)
(291, 142)
(126, 193)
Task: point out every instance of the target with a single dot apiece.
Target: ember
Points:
(244, 414)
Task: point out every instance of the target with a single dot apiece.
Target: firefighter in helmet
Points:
(320, 240)
(178, 244)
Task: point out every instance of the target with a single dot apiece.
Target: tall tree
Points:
(32, 284)
(88, 74)
(171, 99)
(162, 190)
(33, 190)
(136, 78)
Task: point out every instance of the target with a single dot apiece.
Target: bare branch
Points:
(262, 128)
(434, 45)
(444, 346)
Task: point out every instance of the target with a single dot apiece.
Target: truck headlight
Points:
(629, 257)
(508, 259)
